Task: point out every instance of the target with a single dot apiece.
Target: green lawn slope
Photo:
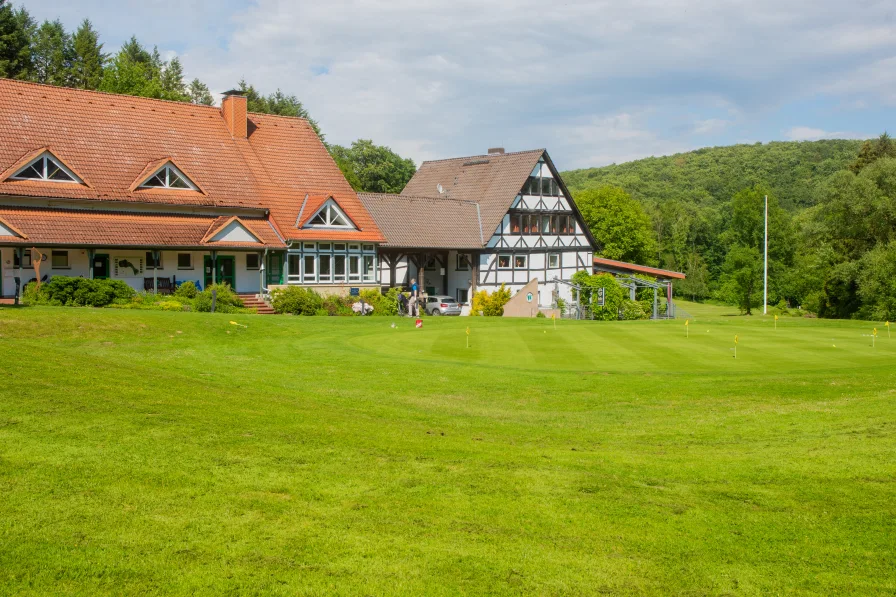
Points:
(160, 453)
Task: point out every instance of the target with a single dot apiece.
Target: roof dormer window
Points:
(46, 168)
(329, 216)
(169, 177)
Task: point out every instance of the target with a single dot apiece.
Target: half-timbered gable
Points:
(530, 226)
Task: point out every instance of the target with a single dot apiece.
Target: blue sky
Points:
(595, 82)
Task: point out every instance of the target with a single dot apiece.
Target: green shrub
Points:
(336, 305)
(187, 290)
(631, 310)
(383, 304)
(77, 292)
(490, 305)
(226, 300)
(171, 305)
(296, 301)
(588, 297)
(540, 314)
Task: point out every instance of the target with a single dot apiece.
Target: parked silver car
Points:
(441, 304)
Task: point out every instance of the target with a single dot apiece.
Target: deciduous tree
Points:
(619, 224)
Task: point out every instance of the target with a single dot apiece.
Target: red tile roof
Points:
(111, 140)
(44, 227)
(639, 269)
(426, 222)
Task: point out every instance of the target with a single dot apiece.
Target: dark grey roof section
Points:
(492, 180)
(425, 222)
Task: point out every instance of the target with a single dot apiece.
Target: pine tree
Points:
(199, 93)
(15, 41)
(88, 58)
(52, 54)
(172, 80)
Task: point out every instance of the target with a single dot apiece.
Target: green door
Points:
(100, 267)
(274, 269)
(226, 271)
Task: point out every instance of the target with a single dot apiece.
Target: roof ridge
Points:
(485, 155)
(400, 196)
(105, 93)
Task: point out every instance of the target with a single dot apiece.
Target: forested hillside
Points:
(832, 221)
(711, 176)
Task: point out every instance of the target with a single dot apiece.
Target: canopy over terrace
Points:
(626, 272)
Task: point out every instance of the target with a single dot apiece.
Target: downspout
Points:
(264, 269)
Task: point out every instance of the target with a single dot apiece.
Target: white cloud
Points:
(591, 80)
(806, 133)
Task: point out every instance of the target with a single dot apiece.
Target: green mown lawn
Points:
(175, 453)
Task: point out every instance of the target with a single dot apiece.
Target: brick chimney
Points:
(495, 150)
(233, 109)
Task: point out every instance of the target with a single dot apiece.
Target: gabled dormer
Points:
(8, 230)
(43, 166)
(164, 174)
(230, 230)
(330, 215)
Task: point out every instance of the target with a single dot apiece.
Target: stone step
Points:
(253, 302)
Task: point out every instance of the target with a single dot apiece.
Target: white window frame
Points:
(371, 276)
(509, 261)
(294, 277)
(551, 256)
(168, 168)
(321, 277)
(309, 246)
(189, 257)
(306, 275)
(330, 211)
(337, 277)
(354, 260)
(525, 259)
(45, 158)
(26, 259)
(463, 262)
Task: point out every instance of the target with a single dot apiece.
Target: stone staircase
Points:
(252, 301)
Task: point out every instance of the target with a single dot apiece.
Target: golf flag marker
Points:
(776, 322)
(468, 336)
(554, 318)
(735, 346)
(687, 328)
(888, 329)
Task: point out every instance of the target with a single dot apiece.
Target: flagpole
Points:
(765, 267)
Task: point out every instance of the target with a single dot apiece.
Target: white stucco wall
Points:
(246, 280)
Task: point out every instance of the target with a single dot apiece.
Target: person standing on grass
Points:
(412, 304)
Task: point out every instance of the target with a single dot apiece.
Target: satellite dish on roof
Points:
(439, 188)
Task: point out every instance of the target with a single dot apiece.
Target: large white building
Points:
(473, 223)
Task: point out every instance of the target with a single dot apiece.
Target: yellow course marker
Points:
(687, 328)
(888, 329)
(776, 322)
(735, 346)
(468, 336)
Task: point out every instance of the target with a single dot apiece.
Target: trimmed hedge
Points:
(63, 291)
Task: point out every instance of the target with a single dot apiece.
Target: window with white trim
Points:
(329, 216)
(338, 268)
(553, 260)
(46, 168)
(184, 261)
(369, 268)
(309, 270)
(503, 261)
(169, 177)
(325, 271)
(463, 262)
(294, 267)
(519, 261)
(354, 268)
(252, 260)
